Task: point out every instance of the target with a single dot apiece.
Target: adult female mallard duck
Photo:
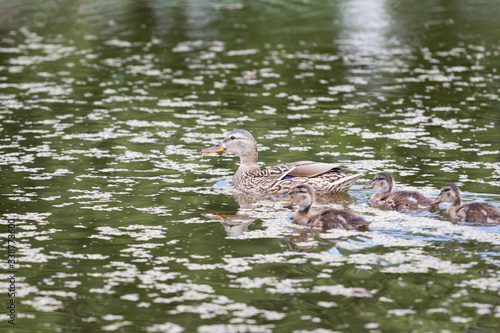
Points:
(279, 179)
(303, 197)
(384, 184)
(471, 212)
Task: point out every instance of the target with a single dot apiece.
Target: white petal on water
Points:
(401, 312)
(165, 327)
(44, 304)
(344, 291)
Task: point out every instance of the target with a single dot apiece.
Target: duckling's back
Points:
(408, 200)
(479, 212)
(339, 219)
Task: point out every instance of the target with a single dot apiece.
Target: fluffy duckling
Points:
(384, 184)
(303, 196)
(471, 212)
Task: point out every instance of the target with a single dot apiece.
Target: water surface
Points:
(105, 107)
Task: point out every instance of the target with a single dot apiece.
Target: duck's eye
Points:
(232, 137)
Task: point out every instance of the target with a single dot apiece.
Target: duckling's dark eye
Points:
(232, 137)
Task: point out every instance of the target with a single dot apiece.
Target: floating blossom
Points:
(343, 88)
(130, 297)
(344, 291)
(492, 283)
(165, 327)
(45, 304)
(232, 328)
(461, 320)
(401, 312)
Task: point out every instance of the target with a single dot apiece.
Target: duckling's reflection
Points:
(306, 239)
(302, 240)
(236, 224)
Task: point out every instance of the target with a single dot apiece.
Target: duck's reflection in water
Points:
(302, 240)
(306, 239)
(234, 225)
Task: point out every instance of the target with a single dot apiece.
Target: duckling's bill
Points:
(215, 149)
(437, 202)
(368, 186)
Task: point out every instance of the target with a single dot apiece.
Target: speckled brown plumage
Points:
(279, 179)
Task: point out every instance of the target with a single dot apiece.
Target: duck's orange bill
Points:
(368, 186)
(438, 201)
(215, 149)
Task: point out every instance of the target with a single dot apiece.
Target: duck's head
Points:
(238, 141)
(303, 196)
(383, 182)
(449, 193)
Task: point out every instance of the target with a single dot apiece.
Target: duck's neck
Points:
(304, 209)
(248, 164)
(302, 215)
(452, 210)
(457, 201)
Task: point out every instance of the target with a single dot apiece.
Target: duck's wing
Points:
(316, 221)
(342, 219)
(379, 198)
(479, 212)
(307, 169)
(310, 169)
(493, 214)
(408, 200)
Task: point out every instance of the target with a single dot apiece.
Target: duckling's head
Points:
(303, 196)
(449, 193)
(238, 141)
(383, 182)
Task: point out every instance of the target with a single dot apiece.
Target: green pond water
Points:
(121, 225)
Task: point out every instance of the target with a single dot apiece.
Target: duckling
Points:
(303, 196)
(471, 212)
(384, 184)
